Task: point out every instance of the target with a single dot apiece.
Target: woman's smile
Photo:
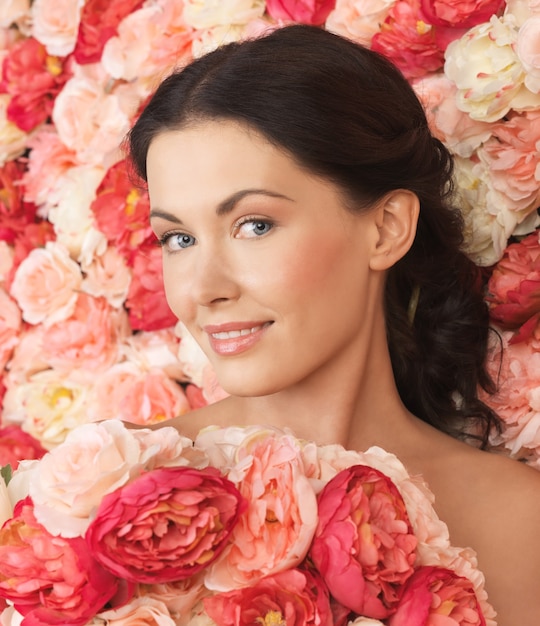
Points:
(235, 337)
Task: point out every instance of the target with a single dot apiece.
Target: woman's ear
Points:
(396, 217)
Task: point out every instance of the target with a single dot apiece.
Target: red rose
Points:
(33, 79)
(364, 545)
(15, 213)
(146, 301)
(436, 595)
(17, 445)
(166, 525)
(294, 597)
(312, 12)
(50, 580)
(99, 21)
(460, 13)
(514, 286)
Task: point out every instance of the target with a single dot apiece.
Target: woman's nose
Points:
(214, 277)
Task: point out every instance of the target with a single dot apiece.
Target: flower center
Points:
(272, 618)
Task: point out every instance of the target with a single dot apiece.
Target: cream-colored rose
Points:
(107, 274)
(71, 213)
(89, 118)
(46, 283)
(155, 349)
(56, 24)
(12, 139)
(10, 326)
(6, 507)
(201, 14)
(143, 611)
(487, 72)
(178, 596)
(365, 621)
(19, 485)
(11, 11)
(522, 10)
(528, 52)
(190, 354)
(48, 406)
(358, 19)
(72, 479)
(208, 39)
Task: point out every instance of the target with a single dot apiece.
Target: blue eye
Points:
(177, 241)
(254, 228)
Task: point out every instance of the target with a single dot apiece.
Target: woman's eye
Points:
(176, 241)
(254, 228)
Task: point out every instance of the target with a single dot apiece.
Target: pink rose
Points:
(55, 24)
(276, 530)
(306, 11)
(50, 580)
(528, 51)
(146, 301)
(358, 20)
(106, 274)
(165, 525)
(460, 13)
(99, 21)
(179, 596)
(138, 612)
(436, 595)
(364, 545)
(408, 42)
(15, 212)
(291, 597)
(17, 445)
(10, 327)
(514, 286)
(89, 339)
(46, 283)
(131, 394)
(33, 79)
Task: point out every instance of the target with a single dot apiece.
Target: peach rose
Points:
(138, 611)
(133, 395)
(275, 532)
(359, 19)
(528, 52)
(13, 140)
(90, 119)
(48, 406)
(156, 349)
(11, 11)
(89, 340)
(10, 327)
(69, 483)
(6, 261)
(45, 285)
(27, 357)
(106, 273)
(55, 23)
(178, 596)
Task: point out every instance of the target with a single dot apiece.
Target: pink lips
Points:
(235, 337)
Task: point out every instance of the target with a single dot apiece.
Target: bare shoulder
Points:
(495, 509)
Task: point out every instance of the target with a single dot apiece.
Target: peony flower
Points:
(291, 597)
(45, 285)
(99, 21)
(528, 52)
(55, 24)
(407, 41)
(50, 580)
(137, 612)
(146, 301)
(134, 395)
(276, 530)
(47, 406)
(94, 460)
(460, 13)
(312, 12)
(434, 595)
(487, 72)
(16, 446)
(364, 545)
(514, 285)
(165, 525)
(10, 327)
(89, 340)
(33, 79)
(358, 20)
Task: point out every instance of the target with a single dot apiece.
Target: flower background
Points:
(85, 331)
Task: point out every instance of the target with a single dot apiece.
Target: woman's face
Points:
(262, 262)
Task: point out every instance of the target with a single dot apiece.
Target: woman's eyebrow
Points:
(224, 207)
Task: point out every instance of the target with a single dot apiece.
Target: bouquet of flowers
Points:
(243, 525)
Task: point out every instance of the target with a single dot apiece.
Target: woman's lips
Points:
(235, 337)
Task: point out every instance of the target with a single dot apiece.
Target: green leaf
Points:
(6, 472)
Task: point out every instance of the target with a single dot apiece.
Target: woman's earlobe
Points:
(396, 221)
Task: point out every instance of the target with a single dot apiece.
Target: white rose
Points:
(56, 24)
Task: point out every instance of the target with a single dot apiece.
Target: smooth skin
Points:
(282, 287)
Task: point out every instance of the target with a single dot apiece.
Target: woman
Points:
(310, 248)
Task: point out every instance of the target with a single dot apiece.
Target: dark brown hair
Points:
(347, 114)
